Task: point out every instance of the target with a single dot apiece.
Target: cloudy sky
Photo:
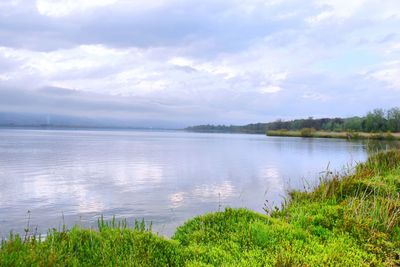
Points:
(177, 63)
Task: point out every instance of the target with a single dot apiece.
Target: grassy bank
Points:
(345, 221)
(307, 132)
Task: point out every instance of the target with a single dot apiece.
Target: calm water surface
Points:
(73, 177)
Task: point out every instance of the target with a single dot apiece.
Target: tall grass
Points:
(351, 135)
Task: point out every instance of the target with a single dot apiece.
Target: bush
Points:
(353, 135)
(307, 132)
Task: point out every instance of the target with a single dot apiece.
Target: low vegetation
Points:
(351, 220)
(311, 132)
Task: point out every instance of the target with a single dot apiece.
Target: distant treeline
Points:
(378, 120)
(257, 128)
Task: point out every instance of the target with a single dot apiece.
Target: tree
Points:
(393, 119)
(353, 124)
(375, 121)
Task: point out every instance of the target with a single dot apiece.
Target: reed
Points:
(309, 132)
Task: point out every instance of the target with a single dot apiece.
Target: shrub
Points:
(307, 132)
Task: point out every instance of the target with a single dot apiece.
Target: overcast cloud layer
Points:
(178, 63)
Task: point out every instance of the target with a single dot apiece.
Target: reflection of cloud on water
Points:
(58, 190)
(271, 178)
(177, 199)
(91, 206)
(83, 200)
(204, 192)
(272, 181)
(140, 174)
(214, 191)
(148, 173)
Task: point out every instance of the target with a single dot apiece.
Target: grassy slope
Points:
(344, 135)
(345, 221)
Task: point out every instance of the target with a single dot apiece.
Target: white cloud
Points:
(342, 8)
(181, 62)
(335, 9)
(238, 59)
(314, 96)
(390, 74)
(270, 89)
(60, 8)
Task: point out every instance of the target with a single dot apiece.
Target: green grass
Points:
(348, 220)
(309, 132)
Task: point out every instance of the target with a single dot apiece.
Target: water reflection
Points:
(164, 177)
(212, 192)
(135, 176)
(177, 199)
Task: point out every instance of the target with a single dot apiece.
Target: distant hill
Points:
(39, 120)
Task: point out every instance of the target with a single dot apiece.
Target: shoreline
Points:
(340, 135)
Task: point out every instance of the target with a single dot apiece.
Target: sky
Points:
(173, 63)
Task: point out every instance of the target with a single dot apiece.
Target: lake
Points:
(166, 177)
